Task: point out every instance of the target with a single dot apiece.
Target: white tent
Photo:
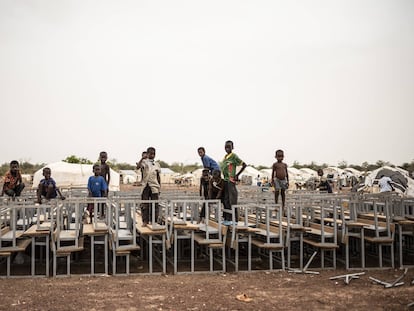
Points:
(371, 180)
(308, 173)
(250, 175)
(73, 175)
(353, 171)
(167, 175)
(128, 176)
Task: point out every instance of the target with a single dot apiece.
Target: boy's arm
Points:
(109, 175)
(60, 194)
(241, 170)
(287, 174)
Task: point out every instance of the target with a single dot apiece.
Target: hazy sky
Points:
(325, 81)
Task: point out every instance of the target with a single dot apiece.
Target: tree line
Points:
(30, 168)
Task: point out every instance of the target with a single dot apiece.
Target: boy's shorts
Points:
(280, 184)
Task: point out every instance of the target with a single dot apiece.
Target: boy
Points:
(151, 181)
(228, 166)
(280, 177)
(13, 184)
(216, 186)
(47, 187)
(204, 181)
(208, 162)
(105, 169)
(97, 187)
(215, 191)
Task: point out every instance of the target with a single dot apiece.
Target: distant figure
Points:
(208, 162)
(97, 188)
(280, 177)
(105, 169)
(258, 181)
(13, 183)
(229, 164)
(204, 182)
(47, 187)
(385, 184)
(324, 185)
(152, 184)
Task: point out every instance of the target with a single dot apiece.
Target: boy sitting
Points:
(47, 187)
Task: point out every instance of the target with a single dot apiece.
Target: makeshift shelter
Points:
(307, 173)
(250, 176)
(167, 175)
(402, 183)
(128, 176)
(69, 175)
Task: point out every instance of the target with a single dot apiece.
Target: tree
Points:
(343, 164)
(75, 159)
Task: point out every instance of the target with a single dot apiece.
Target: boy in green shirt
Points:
(228, 167)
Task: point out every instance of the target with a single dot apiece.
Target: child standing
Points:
(228, 166)
(280, 177)
(105, 169)
(47, 187)
(13, 184)
(151, 181)
(97, 187)
(204, 181)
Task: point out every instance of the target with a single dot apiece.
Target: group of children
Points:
(212, 184)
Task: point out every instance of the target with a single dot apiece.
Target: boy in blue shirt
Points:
(97, 187)
(208, 162)
(47, 187)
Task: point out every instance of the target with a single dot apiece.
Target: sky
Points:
(324, 80)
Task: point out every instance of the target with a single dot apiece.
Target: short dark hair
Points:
(14, 162)
(96, 165)
(201, 148)
(229, 142)
(150, 149)
(279, 151)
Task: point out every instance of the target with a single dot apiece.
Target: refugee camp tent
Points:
(69, 175)
(128, 176)
(167, 175)
(401, 182)
(250, 175)
(353, 171)
(308, 173)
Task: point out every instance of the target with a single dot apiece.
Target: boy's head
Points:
(279, 155)
(144, 155)
(14, 166)
(151, 153)
(96, 169)
(47, 172)
(228, 146)
(216, 174)
(205, 173)
(320, 172)
(103, 156)
(201, 151)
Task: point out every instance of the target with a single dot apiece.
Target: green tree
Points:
(77, 160)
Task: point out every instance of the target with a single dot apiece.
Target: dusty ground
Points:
(268, 291)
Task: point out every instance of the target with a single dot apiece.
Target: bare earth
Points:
(268, 291)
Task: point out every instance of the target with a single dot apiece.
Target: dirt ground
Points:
(267, 291)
